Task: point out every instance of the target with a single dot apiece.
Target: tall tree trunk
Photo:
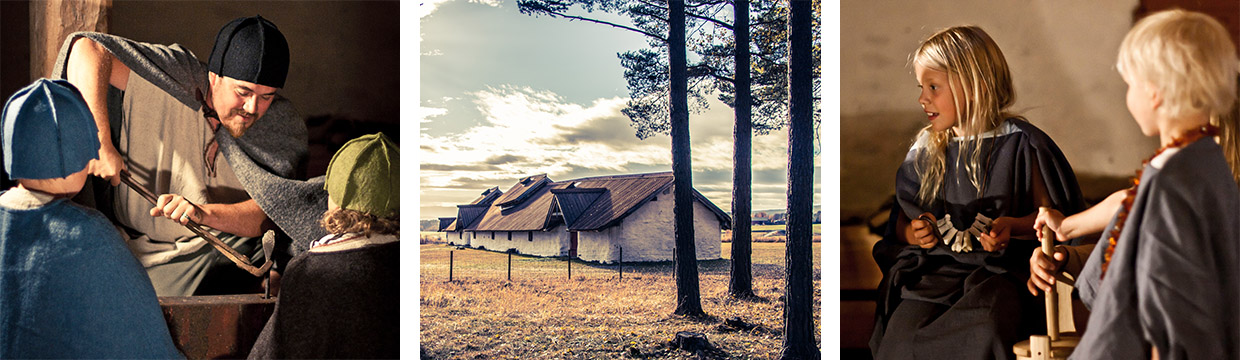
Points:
(741, 284)
(688, 299)
(799, 283)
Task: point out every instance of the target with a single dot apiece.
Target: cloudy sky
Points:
(506, 95)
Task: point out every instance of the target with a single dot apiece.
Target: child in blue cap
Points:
(69, 288)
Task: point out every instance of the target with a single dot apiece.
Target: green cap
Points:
(364, 176)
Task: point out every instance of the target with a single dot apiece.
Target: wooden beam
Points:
(53, 20)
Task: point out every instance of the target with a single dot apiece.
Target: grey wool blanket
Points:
(268, 160)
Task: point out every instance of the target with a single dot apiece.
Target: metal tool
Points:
(195, 227)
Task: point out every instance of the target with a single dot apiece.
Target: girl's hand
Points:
(923, 231)
(1042, 269)
(1050, 217)
(997, 238)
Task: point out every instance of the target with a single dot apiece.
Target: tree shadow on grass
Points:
(662, 267)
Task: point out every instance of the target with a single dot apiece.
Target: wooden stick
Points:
(196, 228)
(1052, 298)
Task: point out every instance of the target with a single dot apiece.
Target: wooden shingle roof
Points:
(586, 204)
(532, 214)
(487, 196)
(468, 216)
(524, 189)
(625, 193)
(573, 202)
(447, 224)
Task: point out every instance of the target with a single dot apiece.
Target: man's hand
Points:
(1042, 269)
(109, 164)
(1052, 218)
(999, 235)
(923, 231)
(177, 208)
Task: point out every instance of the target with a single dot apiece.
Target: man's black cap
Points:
(251, 49)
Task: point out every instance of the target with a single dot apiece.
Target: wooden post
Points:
(570, 268)
(1040, 348)
(510, 266)
(52, 21)
(450, 263)
(1052, 299)
(620, 262)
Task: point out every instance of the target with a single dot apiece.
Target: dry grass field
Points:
(541, 314)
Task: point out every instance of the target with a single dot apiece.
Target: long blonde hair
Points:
(967, 54)
(1190, 58)
(1229, 134)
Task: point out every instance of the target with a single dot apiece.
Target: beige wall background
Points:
(344, 54)
(1062, 56)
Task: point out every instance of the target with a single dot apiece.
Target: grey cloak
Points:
(1174, 280)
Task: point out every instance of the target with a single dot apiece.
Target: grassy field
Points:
(542, 314)
(767, 228)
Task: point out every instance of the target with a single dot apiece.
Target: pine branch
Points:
(708, 3)
(715, 21)
(629, 28)
(711, 71)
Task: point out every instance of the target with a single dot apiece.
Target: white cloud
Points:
(526, 131)
(427, 7)
(551, 135)
(425, 113)
(533, 125)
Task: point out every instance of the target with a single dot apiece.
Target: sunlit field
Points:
(542, 314)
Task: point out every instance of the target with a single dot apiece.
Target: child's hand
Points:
(923, 231)
(1042, 269)
(997, 238)
(1049, 217)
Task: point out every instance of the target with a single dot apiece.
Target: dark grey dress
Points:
(1173, 280)
(944, 304)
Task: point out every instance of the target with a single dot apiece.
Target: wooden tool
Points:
(195, 227)
(1053, 345)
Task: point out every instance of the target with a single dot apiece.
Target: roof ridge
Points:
(621, 176)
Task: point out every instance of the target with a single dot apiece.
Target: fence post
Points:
(570, 267)
(621, 263)
(450, 263)
(509, 266)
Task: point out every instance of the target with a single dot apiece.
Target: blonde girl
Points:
(971, 182)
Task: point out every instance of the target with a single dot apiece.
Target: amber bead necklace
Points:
(1131, 193)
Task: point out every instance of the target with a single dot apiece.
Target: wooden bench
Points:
(859, 278)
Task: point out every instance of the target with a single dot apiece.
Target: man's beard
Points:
(243, 125)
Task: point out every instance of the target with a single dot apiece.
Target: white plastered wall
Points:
(647, 235)
(544, 243)
(457, 238)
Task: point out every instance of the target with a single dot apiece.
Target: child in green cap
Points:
(69, 288)
(352, 273)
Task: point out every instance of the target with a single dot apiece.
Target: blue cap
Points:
(48, 131)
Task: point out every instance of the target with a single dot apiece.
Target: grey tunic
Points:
(1172, 283)
(267, 161)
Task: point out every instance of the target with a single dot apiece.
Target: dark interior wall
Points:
(14, 59)
(15, 42)
(345, 54)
